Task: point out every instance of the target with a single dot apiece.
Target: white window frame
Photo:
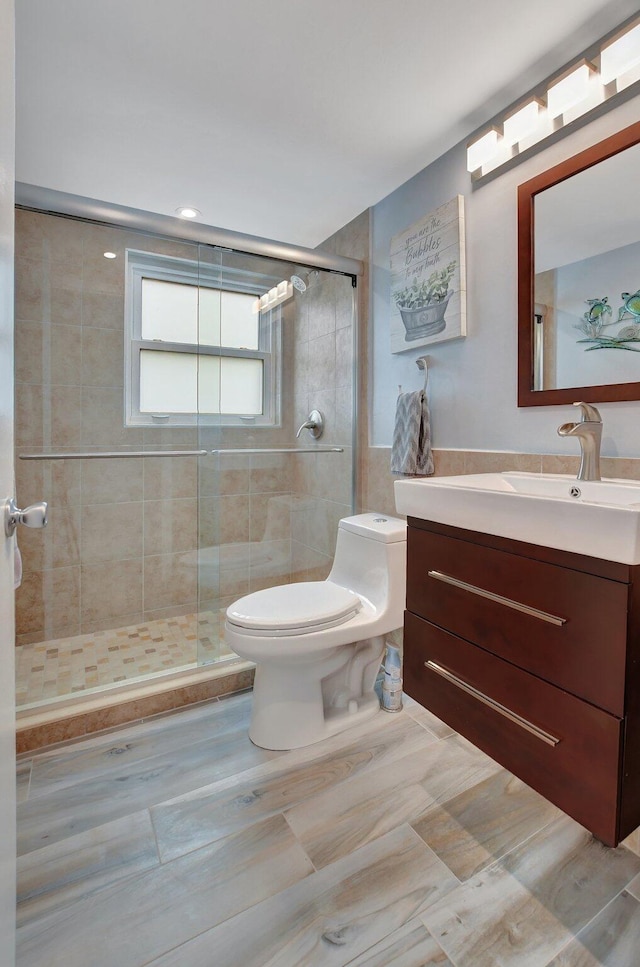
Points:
(148, 265)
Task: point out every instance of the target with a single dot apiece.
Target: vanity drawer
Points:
(564, 625)
(563, 747)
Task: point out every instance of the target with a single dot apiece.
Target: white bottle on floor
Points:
(392, 684)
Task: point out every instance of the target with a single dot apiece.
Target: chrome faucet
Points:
(589, 433)
(314, 423)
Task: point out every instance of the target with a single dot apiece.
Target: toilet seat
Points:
(294, 609)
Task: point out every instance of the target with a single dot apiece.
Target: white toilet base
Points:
(274, 729)
(291, 709)
(318, 645)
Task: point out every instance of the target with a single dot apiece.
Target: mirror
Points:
(579, 277)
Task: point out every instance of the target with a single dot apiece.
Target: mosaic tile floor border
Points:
(65, 666)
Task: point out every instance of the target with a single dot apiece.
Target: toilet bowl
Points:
(317, 645)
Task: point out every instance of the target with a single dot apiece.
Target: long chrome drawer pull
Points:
(498, 598)
(496, 706)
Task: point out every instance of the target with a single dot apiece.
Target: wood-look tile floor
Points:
(178, 843)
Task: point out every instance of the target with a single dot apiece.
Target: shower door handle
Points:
(33, 516)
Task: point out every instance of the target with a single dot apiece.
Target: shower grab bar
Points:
(281, 450)
(107, 455)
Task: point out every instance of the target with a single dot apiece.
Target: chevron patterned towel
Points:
(411, 448)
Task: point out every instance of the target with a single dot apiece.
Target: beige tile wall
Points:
(323, 375)
(122, 542)
(115, 527)
(323, 380)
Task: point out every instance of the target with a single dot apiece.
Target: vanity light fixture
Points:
(110, 255)
(620, 55)
(187, 212)
(608, 68)
(276, 296)
(523, 121)
(482, 150)
(570, 88)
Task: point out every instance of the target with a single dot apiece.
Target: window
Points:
(199, 349)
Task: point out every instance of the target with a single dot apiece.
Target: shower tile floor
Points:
(63, 666)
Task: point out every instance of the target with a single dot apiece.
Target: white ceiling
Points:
(283, 119)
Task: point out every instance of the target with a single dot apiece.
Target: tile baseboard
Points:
(35, 732)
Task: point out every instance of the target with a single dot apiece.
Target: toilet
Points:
(317, 645)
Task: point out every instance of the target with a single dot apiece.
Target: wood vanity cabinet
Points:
(533, 654)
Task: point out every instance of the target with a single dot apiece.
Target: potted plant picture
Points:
(428, 279)
(422, 305)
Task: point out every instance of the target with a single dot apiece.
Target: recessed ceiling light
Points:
(110, 255)
(188, 212)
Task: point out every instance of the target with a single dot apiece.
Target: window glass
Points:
(168, 382)
(209, 309)
(209, 384)
(240, 320)
(188, 383)
(195, 349)
(169, 311)
(241, 386)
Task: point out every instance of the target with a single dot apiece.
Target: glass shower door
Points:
(270, 501)
(166, 445)
(109, 593)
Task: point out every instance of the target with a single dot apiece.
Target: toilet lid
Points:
(303, 605)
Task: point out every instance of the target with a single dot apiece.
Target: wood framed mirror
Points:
(579, 277)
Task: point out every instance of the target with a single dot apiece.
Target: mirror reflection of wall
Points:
(587, 266)
(607, 275)
(544, 330)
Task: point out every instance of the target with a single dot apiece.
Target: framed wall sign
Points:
(428, 284)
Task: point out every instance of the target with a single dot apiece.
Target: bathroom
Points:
(135, 547)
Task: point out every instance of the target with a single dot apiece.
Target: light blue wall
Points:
(473, 380)
(609, 274)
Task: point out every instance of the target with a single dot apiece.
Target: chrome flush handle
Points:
(33, 516)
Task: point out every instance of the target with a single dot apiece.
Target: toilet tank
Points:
(371, 559)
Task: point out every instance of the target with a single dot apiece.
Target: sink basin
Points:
(599, 518)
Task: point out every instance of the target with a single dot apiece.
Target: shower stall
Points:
(161, 390)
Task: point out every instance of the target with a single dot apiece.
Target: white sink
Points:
(599, 518)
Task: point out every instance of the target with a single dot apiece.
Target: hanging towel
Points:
(411, 448)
